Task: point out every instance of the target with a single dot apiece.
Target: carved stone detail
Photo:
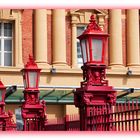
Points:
(5, 14)
(82, 16)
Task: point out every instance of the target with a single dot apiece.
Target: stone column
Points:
(74, 46)
(40, 37)
(115, 40)
(133, 51)
(59, 37)
(18, 41)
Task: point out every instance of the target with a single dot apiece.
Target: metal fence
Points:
(6, 126)
(68, 123)
(122, 117)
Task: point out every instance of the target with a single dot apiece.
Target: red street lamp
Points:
(31, 74)
(6, 119)
(2, 93)
(2, 97)
(93, 43)
(33, 110)
(94, 91)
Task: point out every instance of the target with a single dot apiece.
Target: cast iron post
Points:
(33, 110)
(6, 119)
(94, 93)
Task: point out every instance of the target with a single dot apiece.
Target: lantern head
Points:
(2, 92)
(31, 74)
(93, 43)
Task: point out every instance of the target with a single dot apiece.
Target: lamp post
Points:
(6, 119)
(33, 110)
(3, 115)
(94, 91)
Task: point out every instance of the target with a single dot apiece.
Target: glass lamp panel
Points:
(97, 48)
(38, 79)
(0, 52)
(0, 57)
(83, 46)
(0, 95)
(79, 54)
(0, 29)
(0, 45)
(25, 83)
(88, 51)
(32, 79)
(24, 80)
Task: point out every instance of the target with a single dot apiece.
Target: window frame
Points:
(3, 38)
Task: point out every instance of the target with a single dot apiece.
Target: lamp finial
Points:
(93, 27)
(31, 62)
(93, 18)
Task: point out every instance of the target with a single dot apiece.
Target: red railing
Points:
(126, 117)
(7, 126)
(122, 117)
(72, 122)
(55, 125)
(68, 123)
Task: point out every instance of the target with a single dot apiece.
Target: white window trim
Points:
(15, 16)
(3, 38)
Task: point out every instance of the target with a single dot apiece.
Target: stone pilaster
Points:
(40, 37)
(115, 40)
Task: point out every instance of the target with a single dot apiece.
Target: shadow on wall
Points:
(55, 111)
(128, 78)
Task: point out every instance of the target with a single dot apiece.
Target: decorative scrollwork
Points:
(31, 62)
(94, 76)
(111, 99)
(87, 99)
(31, 99)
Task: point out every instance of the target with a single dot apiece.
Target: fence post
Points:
(137, 110)
(66, 122)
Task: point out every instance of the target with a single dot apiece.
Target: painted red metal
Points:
(94, 93)
(6, 119)
(92, 33)
(95, 99)
(68, 123)
(31, 68)
(33, 110)
(124, 117)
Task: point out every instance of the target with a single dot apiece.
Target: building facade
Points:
(50, 35)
